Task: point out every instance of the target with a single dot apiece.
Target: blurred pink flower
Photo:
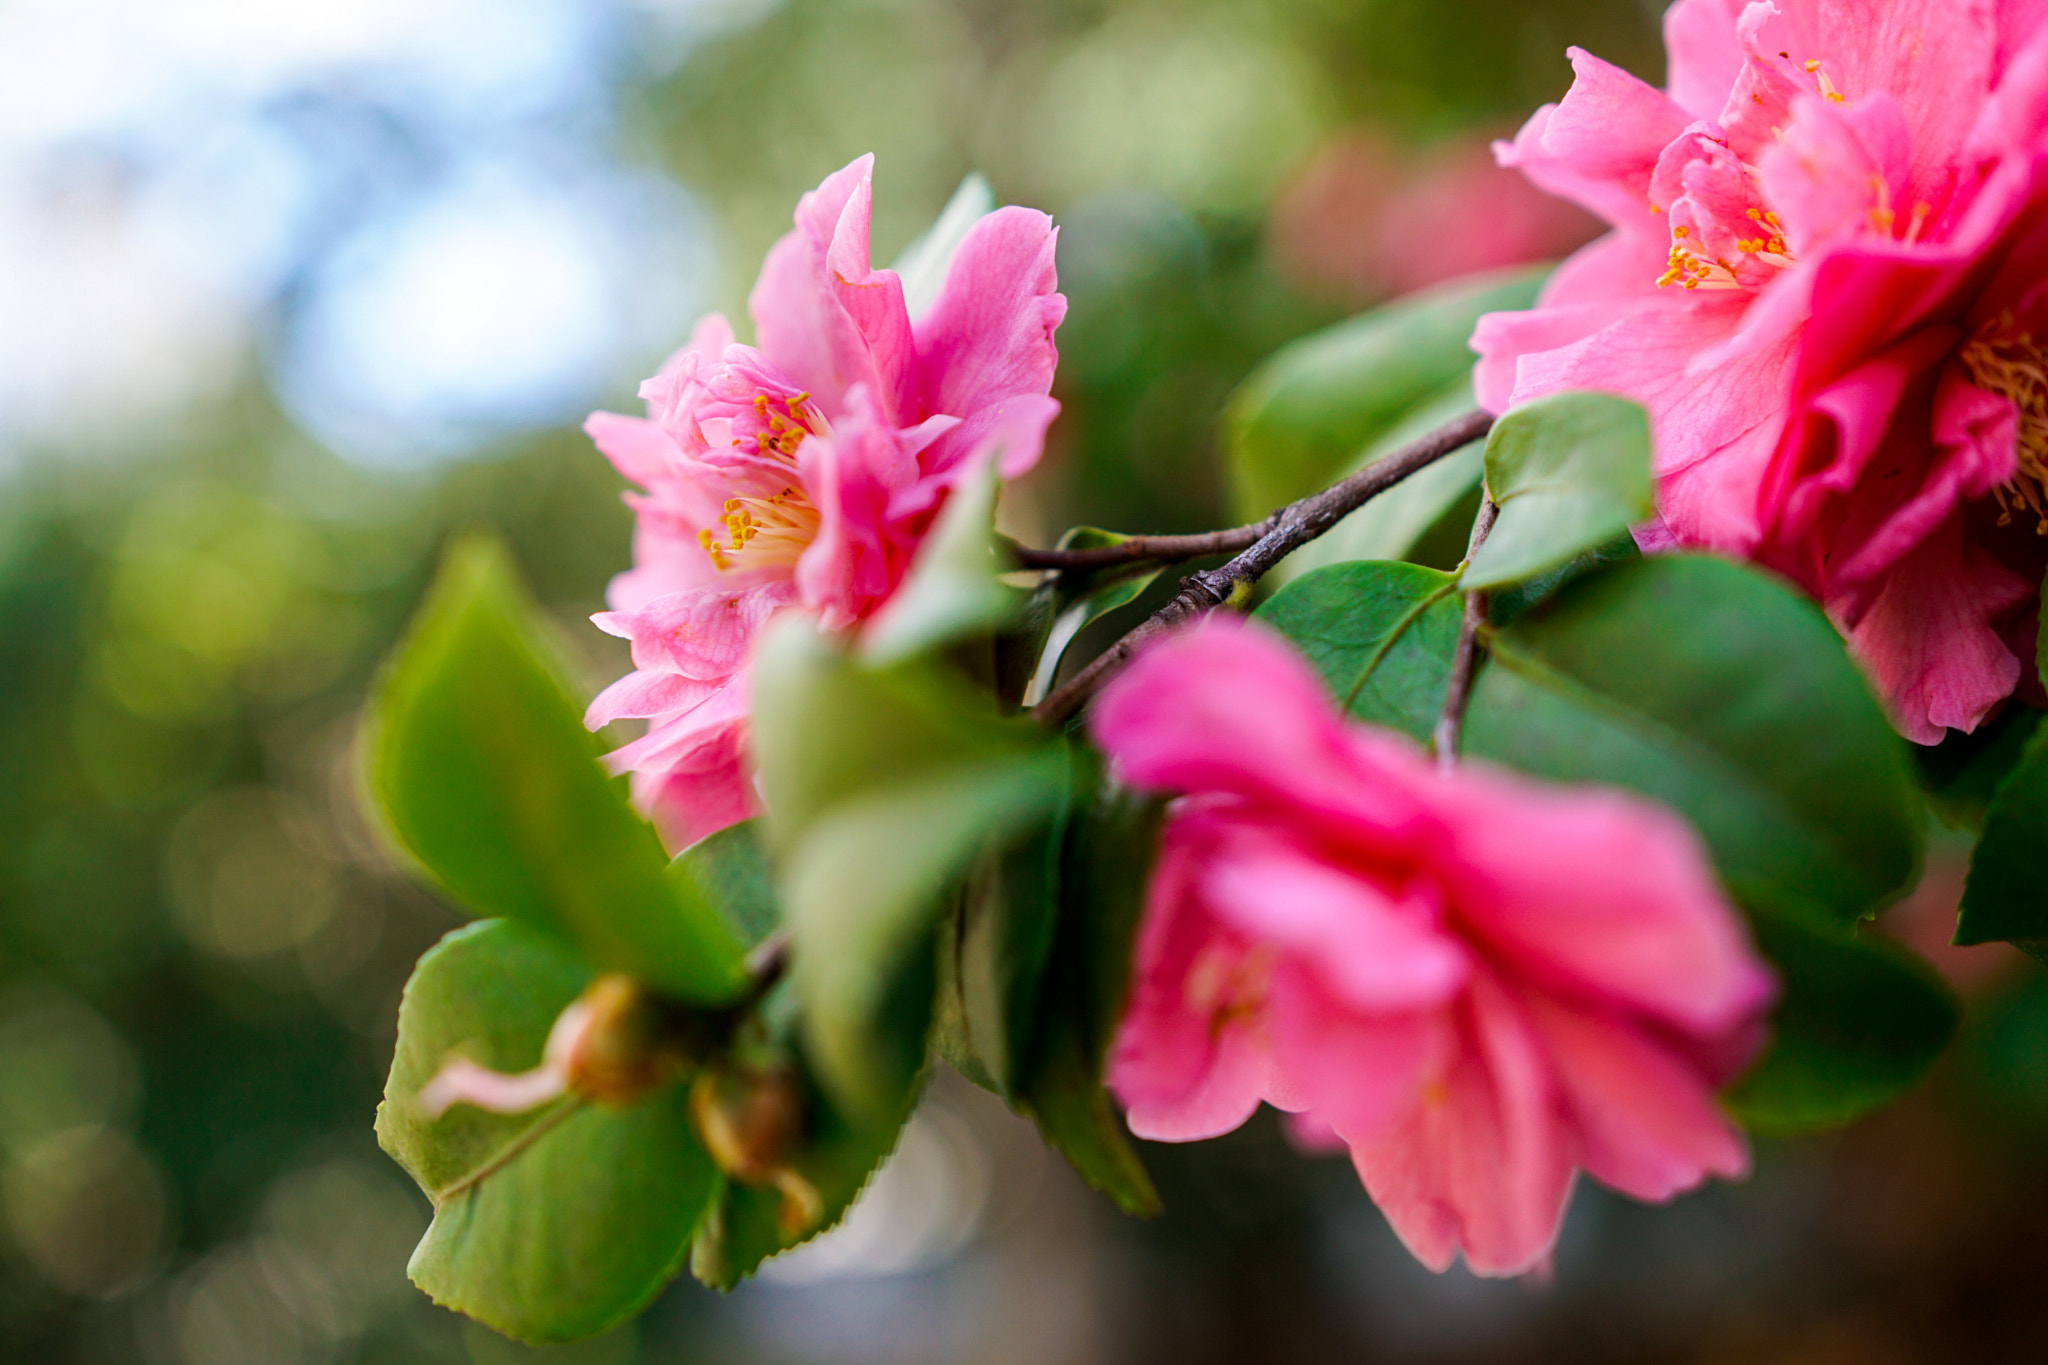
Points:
(804, 471)
(1362, 218)
(1477, 983)
(1827, 278)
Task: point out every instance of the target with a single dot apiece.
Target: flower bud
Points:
(750, 1120)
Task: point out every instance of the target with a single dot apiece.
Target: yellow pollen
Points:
(2006, 361)
(772, 529)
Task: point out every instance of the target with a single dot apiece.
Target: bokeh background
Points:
(290, 293)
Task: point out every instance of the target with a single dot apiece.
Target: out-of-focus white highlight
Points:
(415, 212)
(920, 1210)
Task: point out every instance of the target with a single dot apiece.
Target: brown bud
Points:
(751, 1121)
(616, 1052)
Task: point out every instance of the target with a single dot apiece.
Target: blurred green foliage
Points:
(201, 947)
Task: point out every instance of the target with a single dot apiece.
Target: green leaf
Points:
(1717, 691)
(1569, 472)
(951, 590)
(1302, 418)
(483, 772)
(730, 871)
(1518, 600)
(1961, 775)
(1382, 636)
(865, 888)
(993, 956)
(1108, 860)
(550, 1225)
(1401, 521)
(2006, 895)
(1861, 1019)
(1074, 1115)
(1068, 601)
(827, 729)
(924, 263)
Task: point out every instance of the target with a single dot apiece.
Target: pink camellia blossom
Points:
(1478, 983)
(1828, 282)
(805, 470)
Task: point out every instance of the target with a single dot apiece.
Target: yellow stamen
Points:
(2003, 360)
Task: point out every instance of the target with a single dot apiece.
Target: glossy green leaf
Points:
(1108, 860)
(1302, 418)
(1716, 690)
(951, 590)
(1517, 600)
(1381, 634)
(483, 772)
(550, 1225)
(827, 729)
(2006, 896)
(731, 871)
(1859, 1022)
(1401, 521)
(993, 957)
(1961, 775)
(865, 888)
(923, 264)
(1569, 472)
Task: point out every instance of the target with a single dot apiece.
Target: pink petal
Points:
(1934, 56)
(694, 803)
(1357, 1073)
(799, 322)
(1598, 146)
(1713, 433)
(1835, 167)
(1479, 1165)
(1175, 720)
(1705, 54)
(1598, 893)
(639, 449)
(1374, 951)
(1311, 1133)
(1647, 1122)
(1182, 1072)
(640, 695)
(1928, 639)
(1857, 437)
(987, 341)
(1913, 489)
(692, 740)
(874, 300)
(2016, 115)
(704, 633)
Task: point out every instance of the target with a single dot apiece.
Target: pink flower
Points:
(1477, 983)
(805, 470)
(1826, 280)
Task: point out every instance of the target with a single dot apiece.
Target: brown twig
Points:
(1146, 549)
(1279, 535)
(1450, 723)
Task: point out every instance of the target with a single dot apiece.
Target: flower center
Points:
(2006, 361)
(1229, 984)
(768, 530)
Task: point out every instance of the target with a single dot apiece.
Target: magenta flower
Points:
(1477, 983)
(805, 470)
(1826, 280)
